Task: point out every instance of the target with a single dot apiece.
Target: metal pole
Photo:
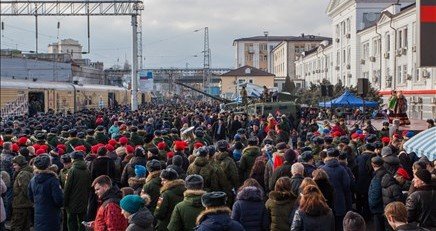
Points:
(36, 33)
(134, 99)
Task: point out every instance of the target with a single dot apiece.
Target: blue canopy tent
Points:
(347, 99)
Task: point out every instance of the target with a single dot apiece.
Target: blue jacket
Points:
(340, 180)
(364, 172)
(45, 192)
(217, 219)
(250, 210)
(375, 196)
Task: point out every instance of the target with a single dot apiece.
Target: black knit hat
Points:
(153, 165)
(214, 199)
(203, 151)
(77, 155)
(424, 175)
(194, 182)
(169, 174)
(306, 156)
(290, 156)
(281, 146)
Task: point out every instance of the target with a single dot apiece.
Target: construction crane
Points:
(87, 8)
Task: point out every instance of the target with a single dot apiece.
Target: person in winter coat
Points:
(375, 197)
(391, 189)
(129, 170)
(390, 159)
(45, 192)
(177, 162)
(228, 166)
(202, 166)
(363, 179)
(137, 182)
(76, 191)
(109, 215)
(313, 212)
(171, 193)
(280, 204)
(153, 183)
(285, 169)
(139, 217)
(249, 155)
(321, 179)
(308, 162)
(396, 215)
(21, 204)
(216, 216)
(185, 212)
(249, 209)
(421, 203)
(102, 165)
(340, 180)
(3, 189)
(297, 178)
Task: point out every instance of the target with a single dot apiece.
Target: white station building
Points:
(373, 39)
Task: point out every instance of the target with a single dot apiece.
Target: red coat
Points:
(109, 218)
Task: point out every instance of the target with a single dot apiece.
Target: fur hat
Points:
(214, 199)
(377, 160)
(154, 165)
(424, 175)
(386, 151)
(194, 182)
(77, 155)
(20, 160)
(332, 152)
(42, 162)
(169, 174)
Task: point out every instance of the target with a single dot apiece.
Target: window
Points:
(414, 33)
(338, 31)
(400, 39)
(343, 28)
(388, 42)
(344, 55)
(338, 58)
(415, 73)
(399, 74)
(365, 50)
(348, 25)
(250, 81)
(405, 37)
(276, 84)
(349, 55)
(404, 73)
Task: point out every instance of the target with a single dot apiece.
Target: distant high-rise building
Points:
(66, 46)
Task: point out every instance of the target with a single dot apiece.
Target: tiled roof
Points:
(242, 71)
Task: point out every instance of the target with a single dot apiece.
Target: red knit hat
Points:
(36, 146)
(44, 147)
(180, 145)
(123, 140)
(161, 145)
(336, 134)
(112, 142)
(99, 121)
(170, 155)
(129, 149)
(61, 146)
(80, 148)
(94, 149)
(109, 147)
(403, 173)
(39, 152)
(354, 136)
(15, 148)
(198, 145)
(60, 151)
(385, 140)
(22, 141)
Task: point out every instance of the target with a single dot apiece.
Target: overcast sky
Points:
(169, 39)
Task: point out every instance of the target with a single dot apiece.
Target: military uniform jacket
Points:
(171, 195)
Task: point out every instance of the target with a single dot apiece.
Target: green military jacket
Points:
(204, 168)
(249, 155)
(186, 212)
(77, 187)
(171, 194)
(152, 188)
(21, 199)
(228, 166)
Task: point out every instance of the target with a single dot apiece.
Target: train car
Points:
(22, 96)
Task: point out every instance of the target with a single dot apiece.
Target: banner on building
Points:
(146, 82)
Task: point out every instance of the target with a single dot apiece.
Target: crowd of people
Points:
(191, 166)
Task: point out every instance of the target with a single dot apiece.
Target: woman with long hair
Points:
(280, 204)
(258, 173)
(321, 179)
(313, 212)
(249, 209)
